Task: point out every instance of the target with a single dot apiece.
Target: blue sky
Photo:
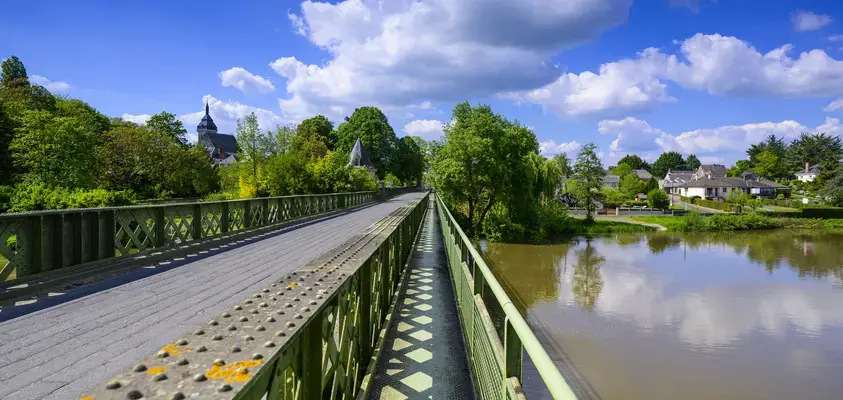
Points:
(704, 77)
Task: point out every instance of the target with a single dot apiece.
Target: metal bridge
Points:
(358, 295)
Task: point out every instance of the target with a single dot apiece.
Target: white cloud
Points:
(549, 148)
(399, 53)
(226, 114)
(834, 105)
(836, 38)
(53, 86)
(637, 136)
(808, 21)
(139, 119)
(245, 81)
(428, 129)
(720, 65)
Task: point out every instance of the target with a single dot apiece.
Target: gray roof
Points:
(714, 169)
(359, 156)
(207, 124)
(611, 179)
(642, 174)
(733, 182)
(676, 178)
(227, 142)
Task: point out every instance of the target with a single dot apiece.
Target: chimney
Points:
(807, 166)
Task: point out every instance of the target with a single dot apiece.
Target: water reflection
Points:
(739, 315)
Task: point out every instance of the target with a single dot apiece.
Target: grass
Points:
(782, 209)
(738, 222)
(581, 226)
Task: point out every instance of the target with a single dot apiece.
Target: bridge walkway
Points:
(64, 350)
(423, 355)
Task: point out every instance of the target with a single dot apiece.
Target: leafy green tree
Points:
(740, 167)
(317, 127)
(58, 151)
(766, 164)
(815, 148)
(288, 174)
(774, 145)
(651, 184)
(281, 140)
(612, 198)
(14, 73)
(254, 146)
(634, 162)
(564, 164)
(7, 130)
(622, 170)
(372, 127)
(692, 162)
(588, 174)
(667, 161)
(832, 190)
(167, 125)
(631, 185)
(658, 199)
(410, 161)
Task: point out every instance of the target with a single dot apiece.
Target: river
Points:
(749, 315)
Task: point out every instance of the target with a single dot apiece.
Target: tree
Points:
(740, 167)
(167, 125)
(281, 140)
(658, 199)
(612, 198)
(651, 184)
(372, 127)
(776, 146)
(317, 127)
(667, 161)
(634, 162)
(7, 130)
(692, 163)
(588, 174)
(766, 164)
(813, 149)
(832, 191)
(410, 161)
(253, 146)
(622, 170)
(564, 164)
(631, 185)
(13, 73)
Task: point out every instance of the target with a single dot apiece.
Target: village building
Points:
(222, 148)
(810, 172)
(674, 179)
(710, 182)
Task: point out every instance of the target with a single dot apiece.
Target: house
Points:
(709, 183)
(642, 174)
(673, 179)
(222, 148)
(612, 181)
(810, 172)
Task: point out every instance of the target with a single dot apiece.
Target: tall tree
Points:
(253, 146)
(372, 127)
(167, 125)
(317, 127)
(832, 190)
(631, 185)
(740, 167)
(411, 161)
(778, 147)
(13, 73)
(692, 162)
(7, 130)
(667, 161)
(813, 148)
(281, 140)
(588, 175)
(766, 164)
(634, 162)
(622, 170)
(564, 164)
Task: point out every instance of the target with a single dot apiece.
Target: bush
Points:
(497, 227)
(636, 203)
(658, 199)
(693, 222)
(717, 205)
(553, 219)
(813, 211)
(34, 197)
(780, 196)
(6, 194)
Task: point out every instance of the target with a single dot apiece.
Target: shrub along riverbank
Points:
(694, 222)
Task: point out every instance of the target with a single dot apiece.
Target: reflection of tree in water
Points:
(587, 282)
(809, 253)
(659, 242)
(531, 272)
(628, 239)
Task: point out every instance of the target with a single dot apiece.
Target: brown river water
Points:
(749, 315)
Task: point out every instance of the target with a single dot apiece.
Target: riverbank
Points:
(609, 225)
(728, 222)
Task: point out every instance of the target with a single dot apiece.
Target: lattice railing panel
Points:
(236, 216)
(211, 220)
(255, 214)
(134, 231)
(11, 249)
(178, 224)
(341, 358)
(274, 215)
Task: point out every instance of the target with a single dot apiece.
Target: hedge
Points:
(782, 203)
(728, 207)
(811, 211)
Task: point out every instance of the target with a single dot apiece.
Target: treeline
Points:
(58, 152)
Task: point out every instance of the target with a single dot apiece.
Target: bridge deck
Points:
(424, 356)
(64, 350)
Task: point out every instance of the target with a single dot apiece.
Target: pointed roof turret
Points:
(359, 156)
(207, 124)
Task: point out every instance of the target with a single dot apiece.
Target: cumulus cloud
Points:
(720, 65)
(53, 86)
(428, 129)
(139, 119)
(245, 81)
(834, 105)
(549, 148)
(808, 21)
(226, 114)
(399, 53)
(637, 136)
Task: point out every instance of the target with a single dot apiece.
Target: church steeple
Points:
(207, 124)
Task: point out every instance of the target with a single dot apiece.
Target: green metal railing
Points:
(310, 335)
(495, 332)
(34, 243)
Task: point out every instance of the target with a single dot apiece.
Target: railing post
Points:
(105, 237)
(364, 329)
(31, 243)
(196, 223)
(224, 217)
(76, 234)
(247, 214)
(311, 354)
(90, 239)
(265, 214)
(52, 234)
(159, 230)
(513, 353)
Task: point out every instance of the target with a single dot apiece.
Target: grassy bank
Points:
(581, 226)
(724, 222)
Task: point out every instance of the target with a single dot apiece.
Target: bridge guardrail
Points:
(310, 335)
(33, 243)
(495, 341)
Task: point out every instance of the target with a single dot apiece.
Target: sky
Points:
(703, 77)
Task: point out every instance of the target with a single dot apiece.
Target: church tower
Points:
(207, 124)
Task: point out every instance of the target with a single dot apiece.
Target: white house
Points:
(810, 173)
(709, 184)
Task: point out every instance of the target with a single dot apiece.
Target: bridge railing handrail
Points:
(33, 243)
(460, 250)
